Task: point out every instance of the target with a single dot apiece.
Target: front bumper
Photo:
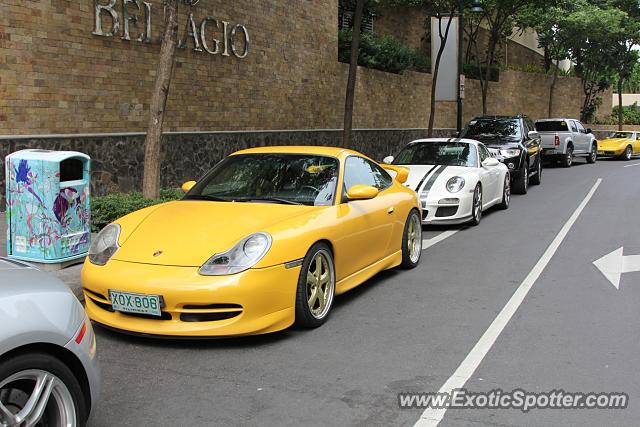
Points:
(256, 301)
(434, 212)
(513, 164)
(608, 151)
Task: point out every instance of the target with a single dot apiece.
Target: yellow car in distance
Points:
(623, 144)
(267, 238)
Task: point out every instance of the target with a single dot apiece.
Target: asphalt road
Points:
(408, 331)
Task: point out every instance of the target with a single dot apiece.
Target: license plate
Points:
(135, 303)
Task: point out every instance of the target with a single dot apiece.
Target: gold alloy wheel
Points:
(320, 289)
(414, 238)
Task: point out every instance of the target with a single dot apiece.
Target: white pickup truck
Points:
(564, 139)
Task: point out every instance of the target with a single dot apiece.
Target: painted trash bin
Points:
(48, 205)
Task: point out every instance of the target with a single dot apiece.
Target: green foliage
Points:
(632, 83)
(475, 71)
(106, 209)
(536, 69)
(630, 116)
(384, 53)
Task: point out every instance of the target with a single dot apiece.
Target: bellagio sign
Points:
(203, 34)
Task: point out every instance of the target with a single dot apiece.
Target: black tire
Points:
(567, 160)
(305, 317)
(51, 365)
(476, 207)
(411, 257)
(521, 185)
(506, 193)
(537, 178)
(593, 155)
(628, 152)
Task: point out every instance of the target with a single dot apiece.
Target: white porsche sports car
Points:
(456, 179)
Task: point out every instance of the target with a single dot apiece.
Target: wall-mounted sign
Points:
(202, 33)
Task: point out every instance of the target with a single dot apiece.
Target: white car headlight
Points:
(244, 255)
(455, 184)
(104, 245)
(515, 152)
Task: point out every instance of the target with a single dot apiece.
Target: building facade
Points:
(79, 75)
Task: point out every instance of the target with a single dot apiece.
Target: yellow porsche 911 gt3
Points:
(623, 144)
(267, 238)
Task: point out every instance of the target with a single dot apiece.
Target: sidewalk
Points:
(70, 275)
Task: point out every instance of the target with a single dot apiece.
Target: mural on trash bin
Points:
(47, 219)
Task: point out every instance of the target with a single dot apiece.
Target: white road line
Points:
(432, 417)
(635, 164)
(427, 243)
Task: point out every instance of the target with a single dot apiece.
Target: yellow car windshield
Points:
(620, 135)
(299, 179)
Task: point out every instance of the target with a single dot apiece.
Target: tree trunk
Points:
(353, 70)
(436, 68)
(152, 143)
(490, 58)
(548, 63)
(587, 100)
(552, 90)
(620, 115)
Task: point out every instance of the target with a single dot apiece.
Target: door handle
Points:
(391, 210)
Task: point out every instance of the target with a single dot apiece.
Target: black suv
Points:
(514, 141)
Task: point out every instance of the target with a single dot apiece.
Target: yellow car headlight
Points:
(242, 256)
(105, 245)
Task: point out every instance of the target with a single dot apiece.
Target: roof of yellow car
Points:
(299, 149)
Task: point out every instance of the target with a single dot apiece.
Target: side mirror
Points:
(401, 174)
(388, 160)
(188, 186)
(490, 162)
(533, 134)
(362, 192)
(589, 130)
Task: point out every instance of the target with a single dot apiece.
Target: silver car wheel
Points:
(45, 394)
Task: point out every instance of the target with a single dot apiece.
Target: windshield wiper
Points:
(272, 199)
(206, 197)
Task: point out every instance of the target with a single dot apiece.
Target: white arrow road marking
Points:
(431, 416)
(635, 164)
(427, 243)
(615, 264)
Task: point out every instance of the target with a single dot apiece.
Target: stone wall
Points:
(406, 25)
(116, 161)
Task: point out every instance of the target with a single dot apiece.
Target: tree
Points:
(440, 9)
(625, 56)
(153, 140)
(499, 19)
(353, 70)
(548, 19)
(360, 8)
(592, 32)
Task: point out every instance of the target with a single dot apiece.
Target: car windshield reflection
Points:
(293, 179)
(439, 153)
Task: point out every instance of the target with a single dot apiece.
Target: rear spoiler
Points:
(402, 174)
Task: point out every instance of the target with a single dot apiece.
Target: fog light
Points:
(449, 201)
(511, 166)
